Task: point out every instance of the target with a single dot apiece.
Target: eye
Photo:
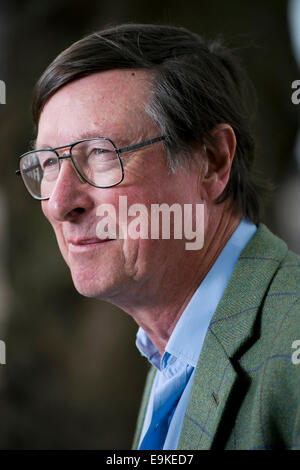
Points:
(101, 154)
(49, 163)
(100, 151)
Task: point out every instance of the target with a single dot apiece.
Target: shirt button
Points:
(156, 427)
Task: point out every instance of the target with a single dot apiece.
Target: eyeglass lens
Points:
(95, 160)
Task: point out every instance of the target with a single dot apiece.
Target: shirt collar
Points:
(188, 335)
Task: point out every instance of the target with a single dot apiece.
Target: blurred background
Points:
(73, 377)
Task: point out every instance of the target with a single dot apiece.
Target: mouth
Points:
(86, 244)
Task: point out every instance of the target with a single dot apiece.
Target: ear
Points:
(218, 159)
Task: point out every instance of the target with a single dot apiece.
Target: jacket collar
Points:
(230, 332)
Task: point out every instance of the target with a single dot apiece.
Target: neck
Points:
(159, 301)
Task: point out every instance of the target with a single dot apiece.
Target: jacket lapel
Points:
(143, 407)
(218, 381)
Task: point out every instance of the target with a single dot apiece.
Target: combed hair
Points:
(197, 84)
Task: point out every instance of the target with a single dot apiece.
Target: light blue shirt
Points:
(175, 369)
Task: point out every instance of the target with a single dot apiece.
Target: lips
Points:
(82, 245)
(85, 241)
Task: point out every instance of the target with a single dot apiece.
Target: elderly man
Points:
(155, 115)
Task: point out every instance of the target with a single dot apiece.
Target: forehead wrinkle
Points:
(121, 138)
(115, 138)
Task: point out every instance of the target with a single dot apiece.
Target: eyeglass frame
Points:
(81, 177)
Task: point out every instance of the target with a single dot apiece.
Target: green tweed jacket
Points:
(246, 388)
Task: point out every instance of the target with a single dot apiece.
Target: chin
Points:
(88, 289)
(98, 286)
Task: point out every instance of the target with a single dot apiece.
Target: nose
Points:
(70, 196)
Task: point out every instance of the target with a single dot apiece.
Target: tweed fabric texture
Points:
(246, 390)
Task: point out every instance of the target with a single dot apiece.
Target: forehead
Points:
(109, 104)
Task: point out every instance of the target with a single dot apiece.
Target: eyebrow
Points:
(84, 135)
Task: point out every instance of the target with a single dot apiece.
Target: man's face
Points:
(110, 104)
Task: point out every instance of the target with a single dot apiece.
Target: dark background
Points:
(73, 377)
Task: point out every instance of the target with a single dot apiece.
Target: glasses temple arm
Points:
(142, 144)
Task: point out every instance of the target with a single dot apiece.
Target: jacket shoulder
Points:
(272, 364)
(282, 300)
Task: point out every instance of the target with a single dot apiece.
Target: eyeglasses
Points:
(97, 161)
